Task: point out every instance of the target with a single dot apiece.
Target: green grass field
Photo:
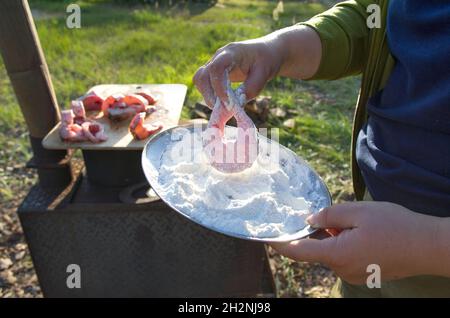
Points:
(144, 44)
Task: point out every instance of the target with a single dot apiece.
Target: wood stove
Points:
(128, 245)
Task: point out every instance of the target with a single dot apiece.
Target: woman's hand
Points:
(403, 243)
(292, 52)
(253, 62)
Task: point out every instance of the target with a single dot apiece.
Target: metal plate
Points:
(151, 161)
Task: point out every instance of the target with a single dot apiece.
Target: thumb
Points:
(255, 82)
(341, 216)
(307, 250)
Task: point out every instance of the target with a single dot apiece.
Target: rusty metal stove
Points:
(134, 249)
(125, 243)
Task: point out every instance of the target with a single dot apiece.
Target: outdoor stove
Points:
(129, 245)
(125, 243)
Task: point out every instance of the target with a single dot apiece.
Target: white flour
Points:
(270, 199)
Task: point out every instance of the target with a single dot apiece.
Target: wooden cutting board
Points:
(170, 102)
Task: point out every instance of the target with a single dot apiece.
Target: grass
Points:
(142, 44)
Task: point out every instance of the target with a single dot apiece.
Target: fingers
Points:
(341, 216)
(211, 79)
(231, 64)
(307, 250)
(255, 82)
(203, 84)
(218, 75)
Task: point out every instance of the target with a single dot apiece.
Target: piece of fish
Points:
(140, 130)
(231, 156)
(69, 130)
(92, 101)
(75, 127)
(94, 131)
(121, 107)
(78, 111)
(151, 99)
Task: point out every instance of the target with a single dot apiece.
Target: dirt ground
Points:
(17, 275)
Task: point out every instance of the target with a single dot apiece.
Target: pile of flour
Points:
(270, 199)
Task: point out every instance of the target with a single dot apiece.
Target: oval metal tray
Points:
(151, 161)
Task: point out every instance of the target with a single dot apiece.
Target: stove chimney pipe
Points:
(30, 78)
